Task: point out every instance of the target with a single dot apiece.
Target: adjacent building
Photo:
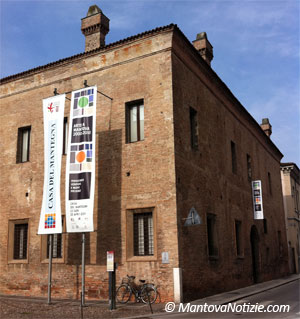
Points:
(290, 179)
(176, 155)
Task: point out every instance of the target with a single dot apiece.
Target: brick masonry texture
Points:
(165, 173)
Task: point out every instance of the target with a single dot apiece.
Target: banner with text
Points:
(257, 200)
(50, 218)
(80, 172)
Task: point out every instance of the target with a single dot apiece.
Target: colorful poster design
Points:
(257, 200)
(80, 173)
(50, 218)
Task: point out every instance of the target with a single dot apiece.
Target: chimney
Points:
(204, 47)
(266, 127)
(95, 27)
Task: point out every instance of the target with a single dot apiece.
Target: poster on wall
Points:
(257, 200)
(80, 170)
(50, 218)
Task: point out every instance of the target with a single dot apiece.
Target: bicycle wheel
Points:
(149, 293)
(123, 293)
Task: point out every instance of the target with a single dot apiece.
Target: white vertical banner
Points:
(80, 172)
(50, 218)
(257, 200)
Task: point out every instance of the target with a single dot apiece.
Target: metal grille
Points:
(143, 234)
(20, 241)
(56, 246)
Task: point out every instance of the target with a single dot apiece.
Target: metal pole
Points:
(50, 268)
(83, 271)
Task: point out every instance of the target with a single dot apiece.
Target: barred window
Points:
(57, 243)
(20, 241)
(56, 246)
(143, 234)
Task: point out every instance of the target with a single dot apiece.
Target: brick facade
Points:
(161, 173)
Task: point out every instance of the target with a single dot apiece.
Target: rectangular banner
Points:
(50, 219)
(257, 200)
(80, 172)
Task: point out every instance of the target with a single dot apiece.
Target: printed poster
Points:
(50, 218)
(257, 200)
(80, 172)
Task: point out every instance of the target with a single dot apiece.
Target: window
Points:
(135, 121)
(65, 136)
(249, 169)
(238, 237)
(265, 226)
(57, 246)
(233, 158)
(270, 183)
(143, 234)
(212, 235)
(194, 128)
(20, 241)
(23, 144)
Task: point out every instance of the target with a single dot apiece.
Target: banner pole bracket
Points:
(86, 85)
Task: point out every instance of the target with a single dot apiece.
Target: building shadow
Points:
(109, 195)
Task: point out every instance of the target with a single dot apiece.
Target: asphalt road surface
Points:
(271, 300)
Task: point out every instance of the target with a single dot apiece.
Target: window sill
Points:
(54, 261)
(142, 258)
(18, 261)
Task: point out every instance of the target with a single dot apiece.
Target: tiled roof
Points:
(74, 57)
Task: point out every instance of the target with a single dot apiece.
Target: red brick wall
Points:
(205, 181)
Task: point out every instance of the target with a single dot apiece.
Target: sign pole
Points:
(83, 272)
(50, 268)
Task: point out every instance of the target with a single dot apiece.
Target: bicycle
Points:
(145, 292)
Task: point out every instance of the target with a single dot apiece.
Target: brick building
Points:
(175, 158)
(290, 178)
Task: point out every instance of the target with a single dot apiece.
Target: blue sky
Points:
(256, 46)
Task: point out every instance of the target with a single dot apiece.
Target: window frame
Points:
(212, 235)
(233, 157)
(239, 249)
(130, 253)
(194, 128)
(21, 131)
(45, 246)
(270, 183)
(11, 241)
(128, 107)
(249, 167)
(65, 136)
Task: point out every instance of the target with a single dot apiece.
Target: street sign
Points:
(257, 200)
(110, 261)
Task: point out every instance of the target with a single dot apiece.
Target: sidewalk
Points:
(232, 296)
(12, 307)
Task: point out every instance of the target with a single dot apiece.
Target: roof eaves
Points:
(83, 54)
(214, 76)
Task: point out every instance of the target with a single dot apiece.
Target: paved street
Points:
(282, 291)
(287, 294)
